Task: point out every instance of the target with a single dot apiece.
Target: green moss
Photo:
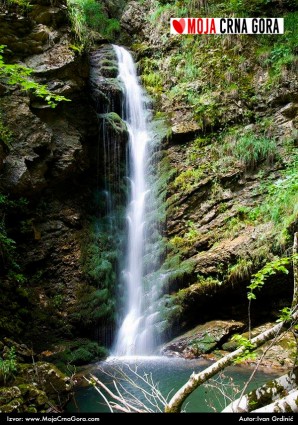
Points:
(31, 409)
(280, 204)
(77, 353)
(109, 71)
(187, 239)
(188, 179)
(113, 122)
(87, 15)
(12, 406)
(204, 345)
(6, 135)
(240, 271)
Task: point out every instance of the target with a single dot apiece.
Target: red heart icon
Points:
(179, 25)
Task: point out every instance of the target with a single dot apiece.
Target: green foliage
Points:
(188, 179)
(93, 305)
(83, 353)
(207, 75)
(7, 247)
(285, 314)
(251, 150)
(19, 2)
(8, 366)
(269, 269)
(240, 271)
(77, 353)
(151, 77)
(20, 75)
(7, 244)
(21, 5)
(57, 301)
(248, 353)
(5, 133)
(86, 15)
(282, 54)
(99, 256)
(232, 227)
(165, 7)
(190, 236)
(281, 202)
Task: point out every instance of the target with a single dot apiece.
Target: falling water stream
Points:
(134, 336)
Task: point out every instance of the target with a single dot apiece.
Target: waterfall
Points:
(135, 334)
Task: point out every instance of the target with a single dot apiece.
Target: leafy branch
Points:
(8, 366)
(249, 347)
(269, 269)
(20, 75)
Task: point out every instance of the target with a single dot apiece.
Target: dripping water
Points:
(136, 330)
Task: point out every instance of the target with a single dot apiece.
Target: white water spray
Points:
(135, 333)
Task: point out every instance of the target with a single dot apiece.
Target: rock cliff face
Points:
(231, 106)
(30, 387)
(41, 40)
(227, 175)
(51, 161)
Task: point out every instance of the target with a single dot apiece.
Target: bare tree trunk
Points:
(197, 379)
(271, 391)
(286, 404)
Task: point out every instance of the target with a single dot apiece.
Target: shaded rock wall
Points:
(54, 161)
(216, 93)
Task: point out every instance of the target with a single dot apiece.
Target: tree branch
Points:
(197, 379)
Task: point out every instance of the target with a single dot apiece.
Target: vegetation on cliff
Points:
(227, 172)
(230, 102)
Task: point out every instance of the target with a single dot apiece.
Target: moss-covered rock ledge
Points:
(214, 339)
(29, 386)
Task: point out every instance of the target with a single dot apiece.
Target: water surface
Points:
(170, 374)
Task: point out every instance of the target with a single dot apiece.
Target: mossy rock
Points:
(109, 71)
(49, 380)
(12, 406)
(32, 394)
(115, 124)
(31, 409)
(204, 345)
(108, 62)
(230, 346)
(203, 338)
(23, 353)
(7, 394)
(78, 353)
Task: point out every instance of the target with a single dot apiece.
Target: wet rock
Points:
(202, 339)
(113, 123)
(8, 394)
(280, 355)
(44, 375)
(106, 88)
(51, 150)
(290, 110)
(23, 352)
(33, 397)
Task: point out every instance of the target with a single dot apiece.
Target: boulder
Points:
(202, 339)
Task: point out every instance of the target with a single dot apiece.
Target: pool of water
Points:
(170, 374)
